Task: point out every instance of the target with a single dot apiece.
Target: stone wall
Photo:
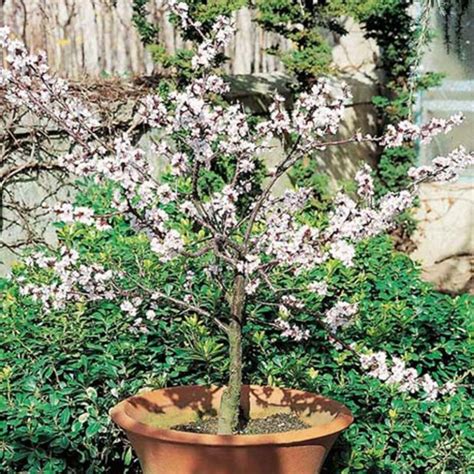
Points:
(444, 238)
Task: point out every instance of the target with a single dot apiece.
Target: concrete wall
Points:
(445, 235)
(444, 238)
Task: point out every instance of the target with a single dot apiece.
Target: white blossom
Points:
(318, 287)
(343, 251)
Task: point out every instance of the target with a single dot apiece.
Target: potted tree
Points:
(250, 237)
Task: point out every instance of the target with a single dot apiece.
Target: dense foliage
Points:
(63, 371)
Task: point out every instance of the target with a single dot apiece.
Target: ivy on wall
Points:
(390, 23)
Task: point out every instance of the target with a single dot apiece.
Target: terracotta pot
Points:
(147, 418)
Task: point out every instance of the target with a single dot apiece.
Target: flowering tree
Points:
(250, 236)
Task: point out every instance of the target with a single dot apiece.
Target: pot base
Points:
(147, 417)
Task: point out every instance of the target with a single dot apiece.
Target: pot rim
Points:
(343, 419)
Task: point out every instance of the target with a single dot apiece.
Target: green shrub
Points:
(62, 371)
(399, 313)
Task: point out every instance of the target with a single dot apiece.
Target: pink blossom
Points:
(75, 282)
(449, 388)
(340, 315)
(249, 265)
(319, 112)
(252, 286)
(223, 31)
(407, 379)
(279, 122)
(443, 168)
(168, 247)
(406, 131)
(223, 207)
(318, 287)
(179, 164)
(365, 183)
(292, 331)
(153, 111)
(181, 10)
(290, 301)
(430, 387)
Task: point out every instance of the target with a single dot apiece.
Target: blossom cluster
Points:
(340, 315)
(131, 307)
(29, 84)
(315, 114)
(443, 168)
(406, 131)
(222, 32)
(290, 243)
(73, 281)
(181, 10)
(292, 331)
(318, 287)
(365, 183)
(407, 378)
(68, 213)
(351, 222)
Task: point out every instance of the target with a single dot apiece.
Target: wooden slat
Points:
(93, 37)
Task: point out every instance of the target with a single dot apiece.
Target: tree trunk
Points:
(230, 403)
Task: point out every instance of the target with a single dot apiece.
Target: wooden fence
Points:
(96, 37)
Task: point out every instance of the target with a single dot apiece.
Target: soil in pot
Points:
(279, 423)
